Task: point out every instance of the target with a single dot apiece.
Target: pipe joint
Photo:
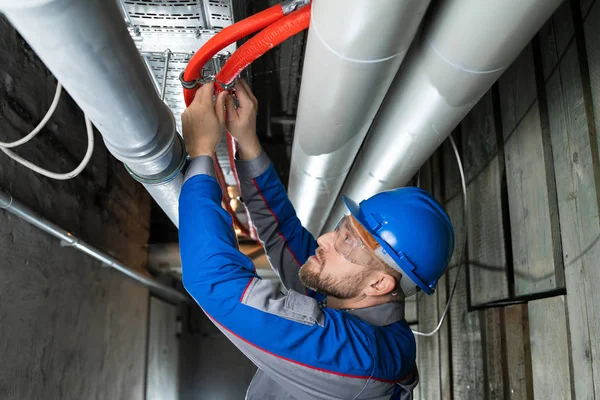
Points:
(290, 6)
(177, 165)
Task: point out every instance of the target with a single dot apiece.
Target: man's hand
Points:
(241, 122)
(203, 122)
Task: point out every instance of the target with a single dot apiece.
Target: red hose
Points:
(278, 28)
(231, 146)
(226, 199)
(228, 35)
(264, 41)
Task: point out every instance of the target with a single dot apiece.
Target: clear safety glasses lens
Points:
(349, 245)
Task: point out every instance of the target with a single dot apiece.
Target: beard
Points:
(315, 277)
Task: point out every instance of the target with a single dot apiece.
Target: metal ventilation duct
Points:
(466, 48)
(353, 51)
(88, 47)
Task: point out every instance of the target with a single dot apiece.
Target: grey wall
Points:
(69, 329)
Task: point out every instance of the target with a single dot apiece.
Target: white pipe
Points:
(466, 48)
(353, 51)
(86, 45)
(8, 203)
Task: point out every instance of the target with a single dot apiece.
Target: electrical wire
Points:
(461, 258)
(42, 123)
(4, 147)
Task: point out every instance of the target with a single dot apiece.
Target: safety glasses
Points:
(350, 246)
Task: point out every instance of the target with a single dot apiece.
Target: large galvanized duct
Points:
(87, 47)
(353, 51)
(464, 50)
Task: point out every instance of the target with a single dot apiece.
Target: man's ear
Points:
(382, 285)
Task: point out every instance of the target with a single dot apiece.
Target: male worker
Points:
(339, 331)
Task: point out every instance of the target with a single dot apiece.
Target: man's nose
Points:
(325, 241)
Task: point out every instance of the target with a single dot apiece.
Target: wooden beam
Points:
(519, 385)
(428, 316)
(487, 255)
(494, 353)
(536, 246)
(550, 355)
(466, 350)
(573, 87)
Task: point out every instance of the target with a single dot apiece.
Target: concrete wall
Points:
(69, 329)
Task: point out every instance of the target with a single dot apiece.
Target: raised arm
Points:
(311, 353)
(287, 244)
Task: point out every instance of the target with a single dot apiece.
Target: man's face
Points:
(328, 272)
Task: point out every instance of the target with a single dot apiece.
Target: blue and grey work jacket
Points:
(303, 349)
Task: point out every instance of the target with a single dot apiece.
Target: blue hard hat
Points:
(413, 228)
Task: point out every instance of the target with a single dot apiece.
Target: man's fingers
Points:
(205, 94)
(243, 94)
(220, 106)
(230, 107)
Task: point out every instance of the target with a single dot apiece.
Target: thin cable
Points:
(42, 123)
(53, 175)
(462, 259)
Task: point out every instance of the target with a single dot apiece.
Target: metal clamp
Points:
(289, 6)
(204, 80)
(228, 86)
(194, 84)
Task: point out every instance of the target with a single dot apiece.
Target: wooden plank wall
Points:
(525, 319)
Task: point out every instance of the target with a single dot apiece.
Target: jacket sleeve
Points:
(287, 244)
(313, 353)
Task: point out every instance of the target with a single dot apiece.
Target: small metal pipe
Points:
(8, 203)
(283, 120)
(152, 76)
(163, 90)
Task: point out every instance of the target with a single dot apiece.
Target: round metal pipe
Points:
(87, 47)
(466, 48)
(8, 203)
(354, 49)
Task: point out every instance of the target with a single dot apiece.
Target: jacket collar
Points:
(382, 314)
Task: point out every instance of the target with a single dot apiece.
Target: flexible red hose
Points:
(226, 199)
(231, 146)
(228, 35)
(263, 41)
(279, 28)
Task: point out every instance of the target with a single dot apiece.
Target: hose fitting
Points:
(289, 6)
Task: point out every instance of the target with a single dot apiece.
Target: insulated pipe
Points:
(87, 47)
(353, 51)
(466, 48)
(8, 203)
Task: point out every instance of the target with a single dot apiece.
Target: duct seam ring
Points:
(470, 71)
(343, 57)
(163, 179)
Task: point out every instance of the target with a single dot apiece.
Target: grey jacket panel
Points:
(281, 258)
(265, 296)
(199, 165)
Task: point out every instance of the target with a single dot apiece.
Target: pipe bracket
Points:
(290, 6)
(207, 79)
(195, 83)
(162, 179)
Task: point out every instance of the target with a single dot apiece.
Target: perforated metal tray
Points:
(181, 27)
